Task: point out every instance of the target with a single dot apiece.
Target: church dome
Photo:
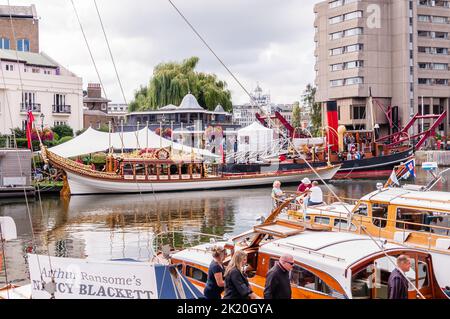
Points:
(190, 103)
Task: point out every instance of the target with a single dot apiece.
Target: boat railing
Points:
(309, 251)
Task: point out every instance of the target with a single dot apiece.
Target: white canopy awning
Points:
(92, 141)
(255, 138)
(255, 126)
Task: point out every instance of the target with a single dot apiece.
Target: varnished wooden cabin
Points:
(328, 265)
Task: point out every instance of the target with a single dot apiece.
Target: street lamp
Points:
(42, 121)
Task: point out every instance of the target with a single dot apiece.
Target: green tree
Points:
(296, 115)
(309, 102)
(172, 81)
(63, 130)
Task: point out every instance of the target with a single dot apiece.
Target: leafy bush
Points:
(63, 130)
(64, 139)
(79, 132)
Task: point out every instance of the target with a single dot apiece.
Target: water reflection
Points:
(107, 227)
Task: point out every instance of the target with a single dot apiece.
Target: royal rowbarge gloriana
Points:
(160, 171)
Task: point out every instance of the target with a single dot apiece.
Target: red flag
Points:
(223, 153)
(30, 128)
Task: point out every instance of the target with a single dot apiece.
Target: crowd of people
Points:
(232, 282)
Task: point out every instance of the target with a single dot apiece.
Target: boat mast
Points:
(370, 120)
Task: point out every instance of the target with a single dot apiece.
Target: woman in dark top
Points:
(236, 283)
(215, 283)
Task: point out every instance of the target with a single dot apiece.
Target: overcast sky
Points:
(265, 41)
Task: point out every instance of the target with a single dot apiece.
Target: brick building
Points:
(96, 112)
(25, 23)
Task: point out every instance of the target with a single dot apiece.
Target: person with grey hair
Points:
(277, 194)
(278, 284)
(397, 283)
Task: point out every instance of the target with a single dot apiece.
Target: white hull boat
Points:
(167, 175)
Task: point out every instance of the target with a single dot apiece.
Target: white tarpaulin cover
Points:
(255, 138)
(92, 141)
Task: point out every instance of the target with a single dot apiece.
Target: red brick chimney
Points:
(94, 90)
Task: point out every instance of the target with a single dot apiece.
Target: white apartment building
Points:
(38, 83)
(117, 108)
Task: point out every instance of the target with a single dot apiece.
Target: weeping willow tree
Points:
(172, 81)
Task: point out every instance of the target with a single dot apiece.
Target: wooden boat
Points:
(328, 265)
(405, 216)
(161, 171)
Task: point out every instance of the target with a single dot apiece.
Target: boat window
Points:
(422, 275)
(343, 224)
(362, 283)
(151, 169)
(362, 210)
(412, 219)
(371, 282)
(440, 220)
(301, 277)
(196, 274)
(174, 170)
(196, 170)
(128, 169)
(164, 170)
(185, 169)
(379, 215)
(140, 169)
(322, 220)
(419, 220)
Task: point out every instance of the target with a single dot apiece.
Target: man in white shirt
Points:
(316, 195)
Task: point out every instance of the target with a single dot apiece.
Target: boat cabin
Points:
(328, 265)
(407, 216)
(159, 165)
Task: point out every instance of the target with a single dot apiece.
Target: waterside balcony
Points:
(33, 107)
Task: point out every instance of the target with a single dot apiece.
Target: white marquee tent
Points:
(255, 138)
(92, 141)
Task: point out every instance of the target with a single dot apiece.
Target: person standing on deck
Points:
(278, 284)
(397, 283)
(215, 282)
(236, 282)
